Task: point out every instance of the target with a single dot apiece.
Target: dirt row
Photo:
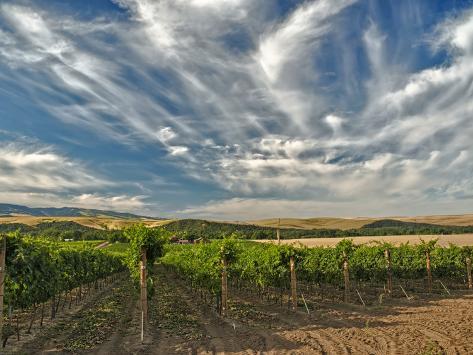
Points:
(82, 327)
(181, 324)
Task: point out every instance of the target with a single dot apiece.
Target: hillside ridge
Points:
(359, 222)
(7, 209)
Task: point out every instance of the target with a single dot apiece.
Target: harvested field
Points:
(443, 240)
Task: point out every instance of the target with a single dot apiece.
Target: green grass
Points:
(114, 248)
(89, 243)
(117, 248)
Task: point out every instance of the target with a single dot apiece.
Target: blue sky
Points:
(238, 109)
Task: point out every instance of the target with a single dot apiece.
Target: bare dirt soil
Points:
(443, 240)
(82, 327)
(180, 323)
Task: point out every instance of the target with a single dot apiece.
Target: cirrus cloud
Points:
(319, 102)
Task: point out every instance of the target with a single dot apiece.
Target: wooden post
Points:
(429, 271)
(3, 253)
(468, 272)
(144, 290)
(224, 287)
(389, 273)
(278, 233)
(346, 278)
(293, 283)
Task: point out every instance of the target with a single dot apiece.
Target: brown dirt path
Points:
(181, 324)
(440, 326)
(436, 326)
(89, 325)
(102, 245)
(209, 333)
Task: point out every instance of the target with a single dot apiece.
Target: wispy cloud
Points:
(37, 176)
(122, 203)
(26, 168)
(245, 209)
(309, 105)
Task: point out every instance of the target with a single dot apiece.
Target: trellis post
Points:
(144, 292)
(389, 273)
(224, 286)
(292, 266)
(346, 278)
(468, 271)
(429, 271)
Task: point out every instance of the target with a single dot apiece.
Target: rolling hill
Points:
(12, 210)
(359, 222)
(290, 227)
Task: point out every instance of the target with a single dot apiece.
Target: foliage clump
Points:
(38, 269)
(143, 239)
(267, 265)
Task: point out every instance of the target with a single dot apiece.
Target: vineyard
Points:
(227, 295)
(343, 270)
(41, 271)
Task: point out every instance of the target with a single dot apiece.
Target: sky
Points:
(238, 109)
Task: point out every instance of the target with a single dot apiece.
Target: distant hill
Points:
(393, 223)
(9, 210)
(195, 228)
(63, 230)
(359, 222)
(314, 223)
(109, 228)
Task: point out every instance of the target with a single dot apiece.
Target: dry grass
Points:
(301, 223)
(354, 223)
(443, 240)
(94, 222)
(316, 223)
(453, 220)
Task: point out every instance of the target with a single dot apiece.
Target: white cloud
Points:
(240, 209)
(455, 33)
(118, 203)
(295, 37)
(286, 53)
(35, 175)
(251, 117)
(178, 150)
(335, 122)
(30, 168)
(166, 135)
(121, 203)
